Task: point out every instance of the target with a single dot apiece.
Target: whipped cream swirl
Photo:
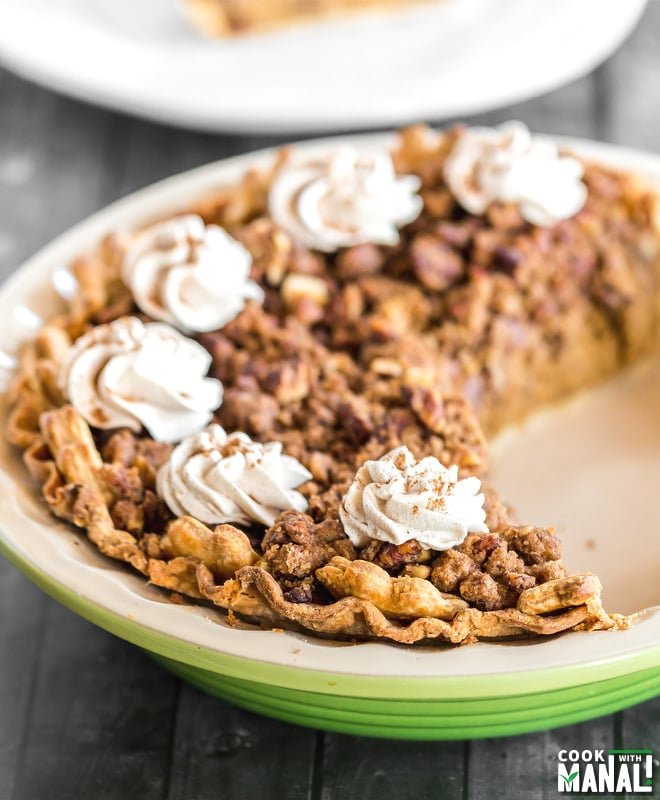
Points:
(192, 275)
(510, 165)
(339, 198)
(128, 374)
(396, 498)
(219, 477)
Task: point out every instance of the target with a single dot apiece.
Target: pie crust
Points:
(235, 17)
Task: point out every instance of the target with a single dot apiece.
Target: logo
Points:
(596, 771)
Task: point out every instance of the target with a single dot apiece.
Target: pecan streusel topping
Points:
(465, 324)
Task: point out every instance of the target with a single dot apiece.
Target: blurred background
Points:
(99, 98)
(473, 60)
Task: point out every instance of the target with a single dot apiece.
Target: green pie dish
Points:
(372, 688)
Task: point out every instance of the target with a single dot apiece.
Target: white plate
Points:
(54, 549)
(459, 57)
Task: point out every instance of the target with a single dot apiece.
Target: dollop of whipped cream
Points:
(508, 164)
(396, 498)
(339, 198)
(219, 477)
(192, 275)
(128, 374)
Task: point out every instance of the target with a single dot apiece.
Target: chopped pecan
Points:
(120, 448)
(535, 545)
(306, 296)
(370, 551)
(436, 264)
(289, 381)
(518, 581)
(457, 234)
(128, 516)
(388, 367)
(506, 259)
(438, 202)
(155, 513)
(344, 317)
(392, 557)
(291, 526)
(422, 571)
(121, 483)
(254, 413)
(301, 593)
(294, 526)
(363, 259)
(450, 569)
(308, 590)
(343, 547)
(124, 449)
(320, 465)
(149, 457)
(502, 560)
(505, 216)
(479, 546)
(296, 560)
(484, 593)
(271, 249)
(295, 546)
(549, 571)
(429, 406)
(222, 352)
(354, 416)
(484, 245)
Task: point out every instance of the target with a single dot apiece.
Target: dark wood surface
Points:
(85, 716)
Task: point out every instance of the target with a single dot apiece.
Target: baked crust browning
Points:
(355, 618)
(236, 17)
(80, 487)
(35, 388)
(179, 575)
(224, 550)
(221, 565)
(399, 598)
(574, 590)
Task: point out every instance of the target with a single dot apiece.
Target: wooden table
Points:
(85, 716)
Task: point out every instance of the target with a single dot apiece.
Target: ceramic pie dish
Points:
(368, 688)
